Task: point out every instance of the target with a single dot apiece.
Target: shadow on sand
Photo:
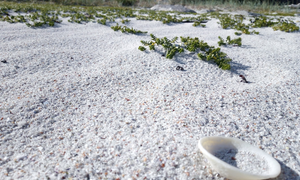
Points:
(236, 68)
(286, 173)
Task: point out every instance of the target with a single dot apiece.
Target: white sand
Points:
(84, 102)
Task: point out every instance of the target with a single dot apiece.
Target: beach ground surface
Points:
(81, 101)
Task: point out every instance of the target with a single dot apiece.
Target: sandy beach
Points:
(80, 101)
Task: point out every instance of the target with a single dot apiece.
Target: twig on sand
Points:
(243, 79)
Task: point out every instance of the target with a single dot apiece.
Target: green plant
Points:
(226, 21)
(220, 58)
(126, 29)
(237, 41)
(208, 53)
(262, 21)
(125, 21)
(193, 44)
(221, 42)
(102, 21)
(197, 23)
(238, 33)
(116, 27)
(81, 17)
(171, 49)
(235, 22)
(142, 48)
(286, 25)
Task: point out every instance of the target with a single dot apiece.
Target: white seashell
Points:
(210, 145)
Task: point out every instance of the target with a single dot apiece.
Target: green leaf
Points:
(141, 48)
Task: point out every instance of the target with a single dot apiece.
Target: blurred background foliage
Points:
(236, 4)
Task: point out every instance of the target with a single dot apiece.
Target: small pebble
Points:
(179, 68)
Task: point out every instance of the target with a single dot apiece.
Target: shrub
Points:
(126, 2)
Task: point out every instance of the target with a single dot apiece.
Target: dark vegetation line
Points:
(152, 2)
